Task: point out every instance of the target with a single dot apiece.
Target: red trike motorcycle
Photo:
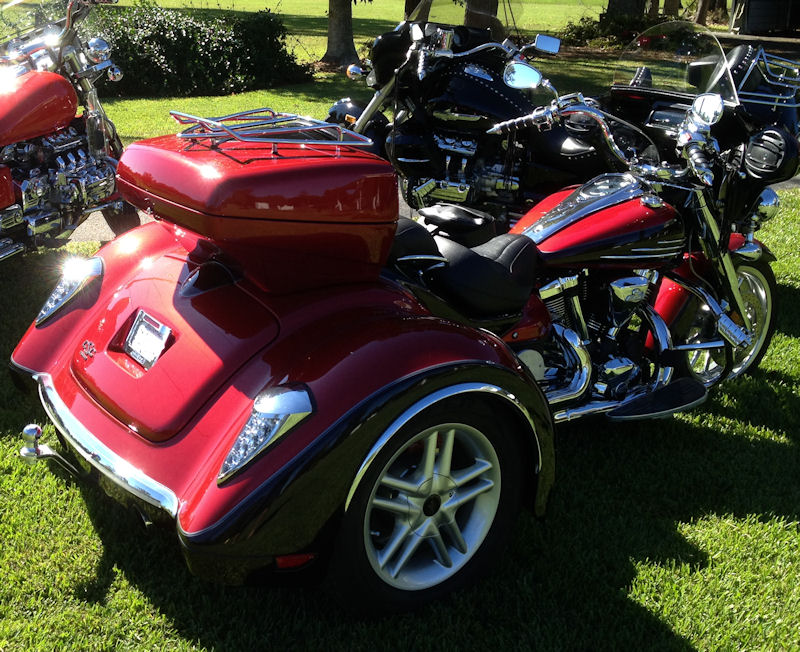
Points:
(292, 378)
(56, 167)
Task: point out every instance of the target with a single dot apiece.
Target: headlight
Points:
(275, 412)
(75, 274)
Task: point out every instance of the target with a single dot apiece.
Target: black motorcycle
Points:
(446, 83)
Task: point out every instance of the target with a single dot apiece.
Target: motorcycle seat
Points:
(494, 278)
(491, 279)
(467, 226)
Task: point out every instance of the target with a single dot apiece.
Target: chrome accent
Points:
(43, 222)
(628, 292)
(451, 191)
(750, 250)
(114, 73)
(32, 451)
(663, 340)
(554, 288)
(355, 72)
(581, 360)
(10, 217)
(267, 126)
(9, 248)
(476, 71)
(699, 346)
(778, 71)
(98, 455)
(450, 116)
(731, 331)
(425, 403)
(161, 331)
(652, 201)
(600, 193)
(728, 271)
(288, 406)
(97, 50)
(374, 106)
(456, 145)
(768, 205)
(423, 190)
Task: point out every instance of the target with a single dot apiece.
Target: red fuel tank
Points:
(613, 221)
(35, 104)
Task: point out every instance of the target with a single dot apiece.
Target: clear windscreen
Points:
(18, 17)
(508, 20)
(676, 57)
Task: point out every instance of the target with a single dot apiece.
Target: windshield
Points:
(17, 17)
(509, 20)
(676, 57)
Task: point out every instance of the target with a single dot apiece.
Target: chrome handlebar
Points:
(695, 145)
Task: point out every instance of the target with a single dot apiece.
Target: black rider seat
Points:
(467, 226)
(489, 280)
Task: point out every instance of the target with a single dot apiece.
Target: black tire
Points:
(121, 221)
(462, 515)
(759, 291)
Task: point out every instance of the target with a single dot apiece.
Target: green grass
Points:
(672, 534)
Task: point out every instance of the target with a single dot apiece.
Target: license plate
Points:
(146, 339)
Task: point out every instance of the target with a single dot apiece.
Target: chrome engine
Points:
(594, 362)
(58, 180)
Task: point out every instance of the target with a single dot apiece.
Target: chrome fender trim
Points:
(425, 403)
(111, 465)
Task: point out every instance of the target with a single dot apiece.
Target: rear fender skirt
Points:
(298, 506)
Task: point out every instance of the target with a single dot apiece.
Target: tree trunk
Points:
(672, 7)
(481, 13)
(625, 8)
(652, 9)
(702, 12)
(341, 49)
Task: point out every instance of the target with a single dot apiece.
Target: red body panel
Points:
(343, 343)
(535, 322)
(35, 104)
(295, 219)
(7, 196)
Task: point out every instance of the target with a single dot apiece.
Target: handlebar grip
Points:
(698, 161)
(422, 64)
(542, 118)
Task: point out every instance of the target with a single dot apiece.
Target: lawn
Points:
(675, 534)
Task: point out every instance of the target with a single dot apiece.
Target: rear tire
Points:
(433, 511)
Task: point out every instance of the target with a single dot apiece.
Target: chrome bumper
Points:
(119, 471)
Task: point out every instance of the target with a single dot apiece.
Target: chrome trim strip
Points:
(111, 465)
(585, 201)
(422, 405)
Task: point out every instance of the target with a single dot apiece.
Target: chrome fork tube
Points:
(373, 107)
(725, 261)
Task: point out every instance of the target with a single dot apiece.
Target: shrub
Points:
(175, 52)
(607, 32)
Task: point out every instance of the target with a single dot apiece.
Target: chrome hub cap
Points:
(432, 506)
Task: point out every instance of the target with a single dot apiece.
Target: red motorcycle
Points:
(56, 167)
(293, 379)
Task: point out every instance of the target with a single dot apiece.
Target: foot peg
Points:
(33, 451)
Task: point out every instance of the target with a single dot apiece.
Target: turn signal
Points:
(75, 274)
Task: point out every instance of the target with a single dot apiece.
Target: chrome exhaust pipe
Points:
(32, 451)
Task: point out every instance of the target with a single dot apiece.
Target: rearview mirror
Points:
(547, 44)
(521, 76)
(707, 108)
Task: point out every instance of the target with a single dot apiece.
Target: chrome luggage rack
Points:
(778, 72)
(270, 127)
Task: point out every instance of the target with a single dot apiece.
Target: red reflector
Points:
(284, 562)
